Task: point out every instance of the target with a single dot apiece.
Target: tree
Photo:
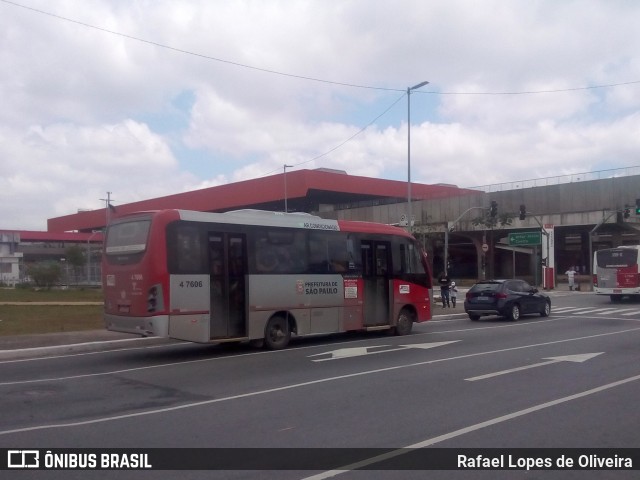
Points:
(75, 256)
(44, 274)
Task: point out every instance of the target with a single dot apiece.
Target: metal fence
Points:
(560, 179)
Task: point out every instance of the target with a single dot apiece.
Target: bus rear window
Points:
(127, 238)
(617, 258)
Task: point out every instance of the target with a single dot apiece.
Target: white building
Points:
(10, 258)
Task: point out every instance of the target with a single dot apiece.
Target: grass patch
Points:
(53, 295)
(35, 319)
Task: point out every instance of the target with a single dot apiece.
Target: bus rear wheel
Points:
(404, 323)
(615, 298)
(277, 333)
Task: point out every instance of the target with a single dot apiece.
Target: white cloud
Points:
(56, 170)
(86, 111)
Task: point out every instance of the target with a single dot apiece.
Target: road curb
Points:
(54, 304)
(84, 347)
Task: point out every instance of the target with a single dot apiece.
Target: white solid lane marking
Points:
(471, 428)
(304, 384)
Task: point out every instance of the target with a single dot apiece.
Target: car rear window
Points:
(515, 286)
(486, 287)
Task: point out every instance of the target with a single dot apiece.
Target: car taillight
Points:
(468, 295)
(595, 280)
(501, 295)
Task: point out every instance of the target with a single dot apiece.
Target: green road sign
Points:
(525, 238)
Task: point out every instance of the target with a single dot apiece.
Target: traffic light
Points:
(637, 206)
(627, 211)
(493, 210)
(523, 211)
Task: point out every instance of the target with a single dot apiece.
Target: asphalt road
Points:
(571, 380)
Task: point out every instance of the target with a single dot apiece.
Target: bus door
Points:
(376, 267)
(228, 266)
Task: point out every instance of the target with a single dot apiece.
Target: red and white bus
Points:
(616, 273)
(260, 276)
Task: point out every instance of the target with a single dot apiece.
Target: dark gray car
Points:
(506, 298)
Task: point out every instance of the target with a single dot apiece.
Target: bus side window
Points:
(266, 258)
(410, 259)
(295, 254)
(280, 252)
(417, 258)
(405, 260)
(216, 253)
(367, 258)
(338, 255)
(318, 253)
(353, 260)
(382, 259)
(236, 257)
(189, 251)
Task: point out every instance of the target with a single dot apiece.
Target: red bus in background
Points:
(260, 276)
(616, 272)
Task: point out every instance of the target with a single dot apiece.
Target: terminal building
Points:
(19, 248)
(534, 229)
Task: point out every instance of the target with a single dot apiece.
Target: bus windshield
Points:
(617, 258)
(127, 238)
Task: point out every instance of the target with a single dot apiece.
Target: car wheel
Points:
(475, 318)
(514, 313)
(546, 310)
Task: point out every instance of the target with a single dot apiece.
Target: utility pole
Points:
(286, 208)
(108, 208)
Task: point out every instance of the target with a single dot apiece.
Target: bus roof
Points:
(276, 219)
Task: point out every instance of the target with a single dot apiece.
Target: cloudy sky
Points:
(145, 98)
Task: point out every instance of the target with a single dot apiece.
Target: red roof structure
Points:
(29, 236)
(306, 190)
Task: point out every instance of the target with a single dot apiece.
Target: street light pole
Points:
(409, 90)
(285, 187)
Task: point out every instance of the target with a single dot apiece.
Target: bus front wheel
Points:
(277, 333)
(404, 323)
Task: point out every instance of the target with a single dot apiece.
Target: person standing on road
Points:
(453, 292)
(444, 281)
(571, 277)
